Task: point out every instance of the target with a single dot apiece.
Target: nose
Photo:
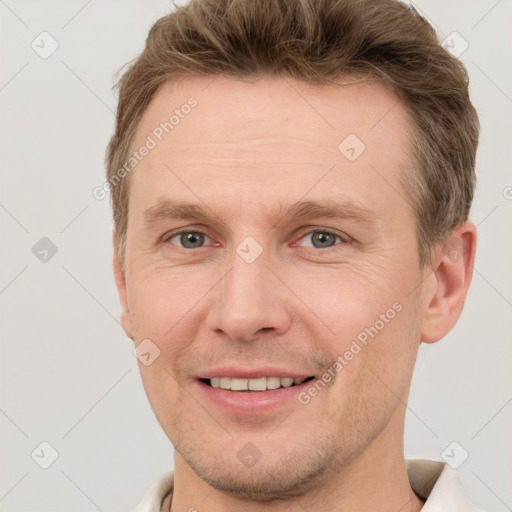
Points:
(249, 302)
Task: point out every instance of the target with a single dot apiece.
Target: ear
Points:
(451, 279)
(126, 320)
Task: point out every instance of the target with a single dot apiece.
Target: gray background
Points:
(68, 376)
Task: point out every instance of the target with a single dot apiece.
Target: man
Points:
(291, 182)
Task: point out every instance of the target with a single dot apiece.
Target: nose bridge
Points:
(249, 300)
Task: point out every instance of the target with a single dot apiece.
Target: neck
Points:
(375, 481)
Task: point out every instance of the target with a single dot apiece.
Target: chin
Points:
(279, 473)
(289, 477)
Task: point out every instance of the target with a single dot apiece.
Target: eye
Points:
(188, 239)
(322, 239)
(318, 239)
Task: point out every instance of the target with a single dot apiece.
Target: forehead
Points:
(272, 136)
(228, 109)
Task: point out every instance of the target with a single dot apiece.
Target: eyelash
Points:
(344, 239)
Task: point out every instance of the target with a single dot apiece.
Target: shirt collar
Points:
(438, 484)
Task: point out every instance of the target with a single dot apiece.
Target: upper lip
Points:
(252, 373)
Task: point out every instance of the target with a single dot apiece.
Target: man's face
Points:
(249, 291)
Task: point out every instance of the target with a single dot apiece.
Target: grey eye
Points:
(321, 239)
(189, 239)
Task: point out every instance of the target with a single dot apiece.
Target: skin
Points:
(246, 148)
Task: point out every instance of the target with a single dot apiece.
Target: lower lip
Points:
(251, 402)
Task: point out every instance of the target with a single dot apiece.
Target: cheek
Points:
(335, 304)
(161, 299)
(382, 358)
(334, 301)
(376, 328)
(348, 300)
(161, 308)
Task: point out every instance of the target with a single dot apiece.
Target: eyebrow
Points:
(302, 210)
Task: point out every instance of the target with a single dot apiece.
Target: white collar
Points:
(439, 484)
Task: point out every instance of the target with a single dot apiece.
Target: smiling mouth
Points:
(258, 384)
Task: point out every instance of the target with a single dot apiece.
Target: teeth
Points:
(259, 384)
(239, 384)
(225, 383)
(273, 382)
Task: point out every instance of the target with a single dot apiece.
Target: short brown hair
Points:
(317, 41)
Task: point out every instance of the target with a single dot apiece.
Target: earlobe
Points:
(451, 279)
(119, 275)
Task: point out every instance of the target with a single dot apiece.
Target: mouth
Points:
(259, 384)
(252, 392)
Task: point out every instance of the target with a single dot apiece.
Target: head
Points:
(306, 212)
